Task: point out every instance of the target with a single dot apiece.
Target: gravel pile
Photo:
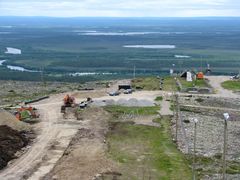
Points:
(124, 102)
(210, 130)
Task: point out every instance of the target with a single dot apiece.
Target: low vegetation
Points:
(148, 83)
(195, 83)
(159, 98)
(213, 165)
(155, 83)
(232, 85)
(145, 152)
(117, 111)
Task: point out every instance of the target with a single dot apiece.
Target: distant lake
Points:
(1, 62)
(11, 50)
(116, 33)
(151, 46)
(90, 74)
(181, 56)
(18, 68)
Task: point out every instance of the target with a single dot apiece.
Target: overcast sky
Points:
(120, 8)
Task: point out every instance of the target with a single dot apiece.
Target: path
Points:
(216, 82)
(41, 157)
(165, 107)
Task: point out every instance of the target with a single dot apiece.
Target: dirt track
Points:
(52, 130)
(216, 81)
(85, 158)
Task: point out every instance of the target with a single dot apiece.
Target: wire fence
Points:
(209, 141)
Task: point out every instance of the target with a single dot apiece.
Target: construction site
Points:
(142, 128)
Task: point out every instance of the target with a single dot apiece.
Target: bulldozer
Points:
(24, 113)
(68, 101)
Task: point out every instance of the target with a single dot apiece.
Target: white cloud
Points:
(68, 8)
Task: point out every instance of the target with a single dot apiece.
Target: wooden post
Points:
(224, 149)
(194, 150)
(177, 116)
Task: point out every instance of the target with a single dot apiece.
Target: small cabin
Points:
(124, 87)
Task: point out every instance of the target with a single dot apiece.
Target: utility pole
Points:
(194, 148)
(134, 72)
(177, 116)
(226, 118)
(41, 73)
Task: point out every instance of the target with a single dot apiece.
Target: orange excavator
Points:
(69, 101)
(23, 113)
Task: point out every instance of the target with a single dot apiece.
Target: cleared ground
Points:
(69, 140)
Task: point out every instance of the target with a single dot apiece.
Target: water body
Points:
(181, 56)
(5, 33)
(96, 33)
(1, 62)
(90, 74)
(151, 46)
(11, 50)
(116, 33)
(18, 68)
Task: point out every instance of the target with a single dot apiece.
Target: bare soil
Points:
(11, 141)
(85, 157)
(10, 120)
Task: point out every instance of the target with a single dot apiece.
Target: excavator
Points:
(68, 101)
(24, 113)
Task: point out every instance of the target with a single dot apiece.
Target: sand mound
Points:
(8, 119)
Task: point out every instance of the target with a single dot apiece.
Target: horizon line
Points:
(119, 16)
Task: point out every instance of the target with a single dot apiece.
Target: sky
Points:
(120, 8)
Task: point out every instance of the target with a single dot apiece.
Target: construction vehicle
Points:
(24, 113)
(68, 101)
(84, 104)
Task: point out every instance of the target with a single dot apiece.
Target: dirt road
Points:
(86, 158)
(216, 81)
(53, 131)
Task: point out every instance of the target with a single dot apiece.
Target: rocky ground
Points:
(14, 92)
(210, 133)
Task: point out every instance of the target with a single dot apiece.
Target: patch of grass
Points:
(148, 83)
(199, 100)
(169, 84)
(189, 109)
(153, 83)
(159, 98)
(213, 165)
(231, 85)
(145, 152)
(195, 83)
(117, 111)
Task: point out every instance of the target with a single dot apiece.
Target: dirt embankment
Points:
(8, 119)
(11, 141)
(14, 135)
